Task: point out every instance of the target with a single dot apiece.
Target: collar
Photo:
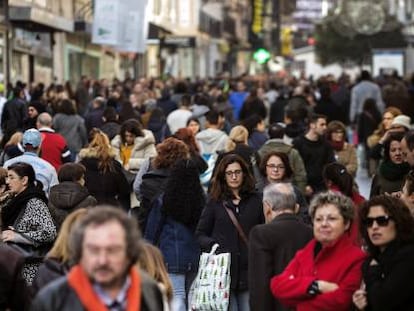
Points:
(119, 303)
(30, 153)
(46, 129)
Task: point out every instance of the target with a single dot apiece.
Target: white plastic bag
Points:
(210, 290)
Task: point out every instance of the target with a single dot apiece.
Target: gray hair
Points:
(343, 203)
(101, 215)
(280, 196)
(45, 119)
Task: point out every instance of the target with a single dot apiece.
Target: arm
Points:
(343, 295)
(138, 179)
(205, 227)
(148, 152)
(299, 175)
(352, 165)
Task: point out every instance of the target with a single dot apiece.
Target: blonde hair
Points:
(100, 143)
(60, 249)
(152, 262)
(238, 135)
(15, 139)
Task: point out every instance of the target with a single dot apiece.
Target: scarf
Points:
(337, 145)
(391, 171)
(11, 211)
(80, 283)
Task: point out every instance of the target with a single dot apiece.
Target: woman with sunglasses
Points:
(232, 188)
(387, 228)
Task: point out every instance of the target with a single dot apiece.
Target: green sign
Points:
(261, 56)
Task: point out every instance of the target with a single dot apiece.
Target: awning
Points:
(156, 31)
(36, 19)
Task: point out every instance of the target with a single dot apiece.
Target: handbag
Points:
(210, 290)
(30, 253)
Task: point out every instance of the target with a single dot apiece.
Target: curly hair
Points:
(169, 152)
(393, 207)
(343, 203)
(132, 126)
(334, 126)
(283, 157)
(186, 135)
(219, 189)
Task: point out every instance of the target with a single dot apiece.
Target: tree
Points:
(335, 46)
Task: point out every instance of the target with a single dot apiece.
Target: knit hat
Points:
(402, 120)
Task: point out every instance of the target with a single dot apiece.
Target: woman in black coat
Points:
(387, 228)
(232, 187)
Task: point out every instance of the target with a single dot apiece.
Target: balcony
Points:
(209, 25)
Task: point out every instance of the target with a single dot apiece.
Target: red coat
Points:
(339, 263)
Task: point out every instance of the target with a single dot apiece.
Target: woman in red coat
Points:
(323, 275)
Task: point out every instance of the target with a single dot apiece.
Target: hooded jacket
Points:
(144, 147)
(211, 140)
(66, 197)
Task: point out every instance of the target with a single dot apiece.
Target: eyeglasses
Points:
(381, 221)
(235, 173)
(277, 167)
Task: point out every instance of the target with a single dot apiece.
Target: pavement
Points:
(364, 182)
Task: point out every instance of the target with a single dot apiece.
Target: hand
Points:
(359, 298)
(396, 194)
(8, 235)
(327, 287)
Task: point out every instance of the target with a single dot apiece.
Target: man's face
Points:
(32, 112)
(319, 127)
(104, 254)
(408, 155)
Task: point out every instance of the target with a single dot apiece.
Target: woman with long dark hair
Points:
(232, 191)
(26, 218)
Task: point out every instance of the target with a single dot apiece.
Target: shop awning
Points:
(156, 32)
(36, 19)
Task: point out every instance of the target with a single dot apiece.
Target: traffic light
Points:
(261, 56)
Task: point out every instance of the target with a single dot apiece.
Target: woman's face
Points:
(396, 152)
(380, 230)
(129, 138)
(338, 135)
(234, 176)
(387, 120)
(328, 224)
(194, 127)
(16, 183)
(275, 169)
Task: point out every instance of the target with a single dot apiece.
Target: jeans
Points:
(181, 283)
(239, 301)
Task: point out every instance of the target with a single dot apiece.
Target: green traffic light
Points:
(261, 55)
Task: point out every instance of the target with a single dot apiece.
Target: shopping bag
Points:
(210, 290)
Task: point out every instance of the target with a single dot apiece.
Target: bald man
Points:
(53, 148)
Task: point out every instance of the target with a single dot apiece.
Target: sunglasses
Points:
(381, 221)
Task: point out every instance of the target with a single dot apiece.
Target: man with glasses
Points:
(274, 244)
(104, 247)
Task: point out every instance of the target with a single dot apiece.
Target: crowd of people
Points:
(110, 193)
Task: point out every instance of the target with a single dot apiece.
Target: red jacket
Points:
(339, 263)
(53, 149)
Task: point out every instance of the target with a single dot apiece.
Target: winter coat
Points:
(295, 160)
(72, 128)
(50, 270)
(109, 187)
(59, 295)
(271, 247)
(291, 286)
(348, 158)
(257, 139)
(14, 113)
(67, 197)
(144, 147)
(389, 284)
(215, 226)
(211, 140)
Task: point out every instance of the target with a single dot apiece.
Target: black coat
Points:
(13, 291)
(271, 247)
(59, 296)
(215, 226)
(49, 270)
(389, 284)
